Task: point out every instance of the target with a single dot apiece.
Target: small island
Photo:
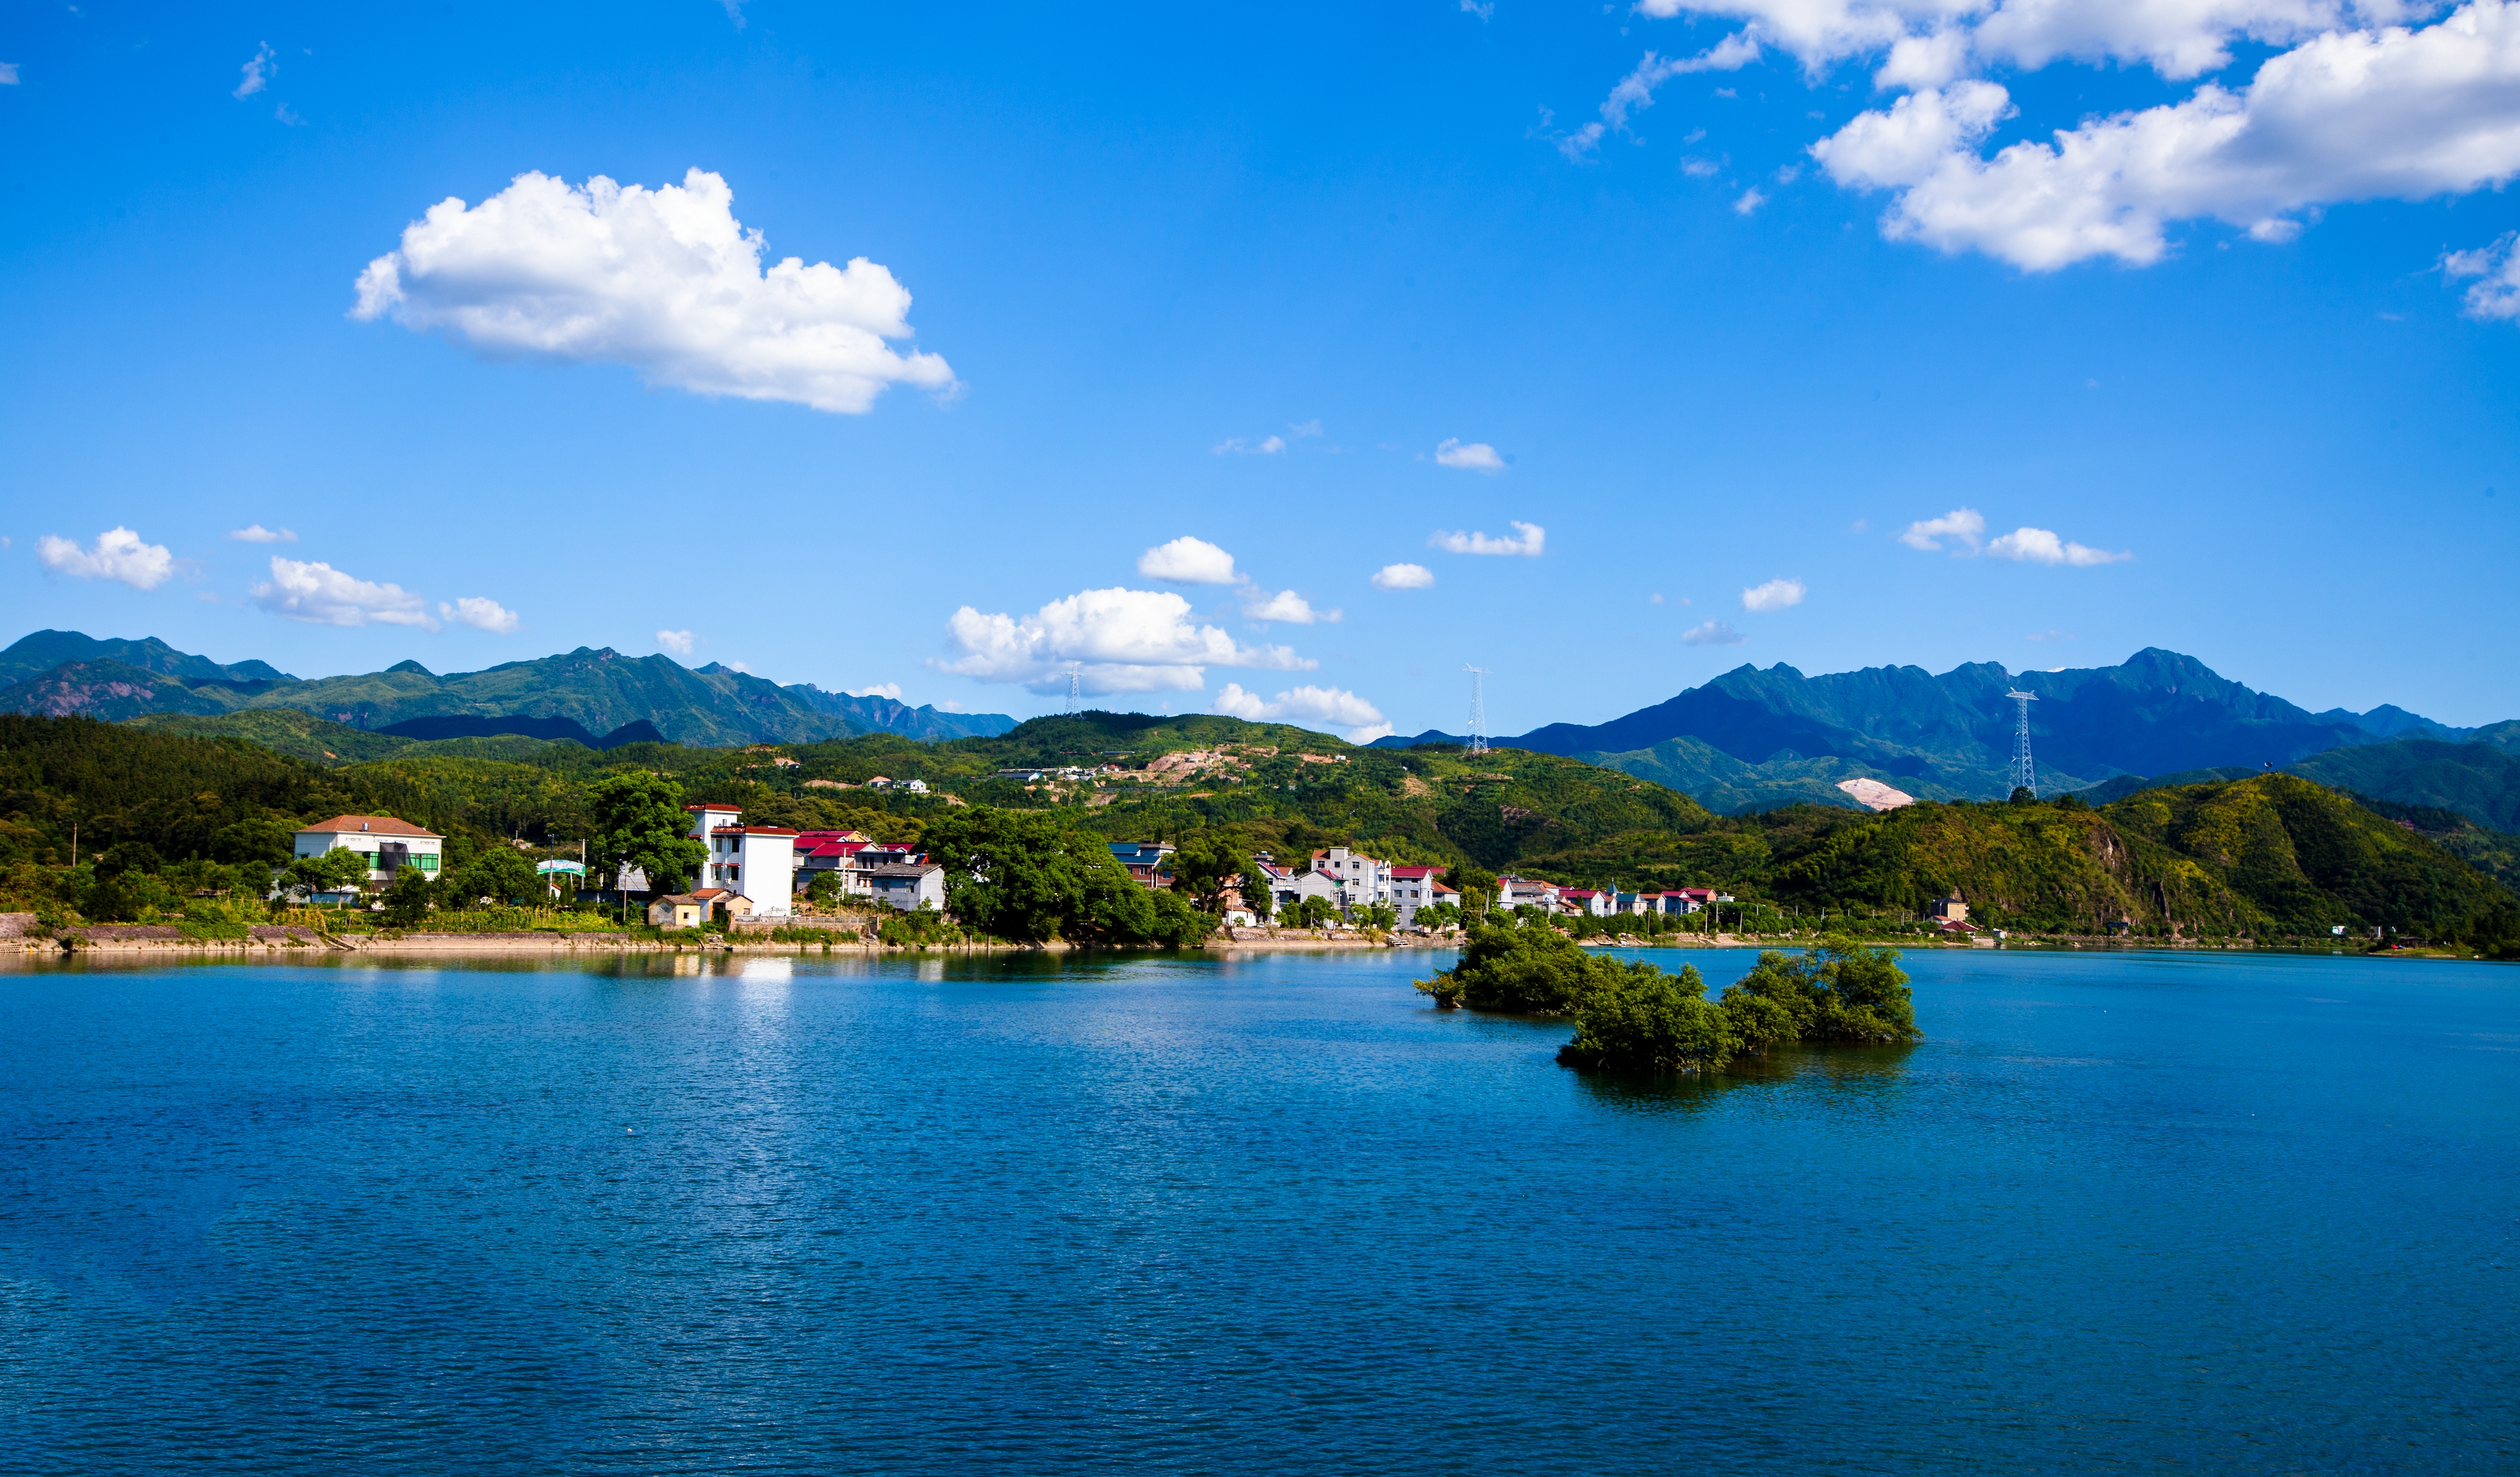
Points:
(1636, 1018)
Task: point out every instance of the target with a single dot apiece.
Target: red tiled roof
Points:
(732, 810)
(375, 826)
(750, 830)
(1412, 874)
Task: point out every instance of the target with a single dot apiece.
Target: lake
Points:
(2117, 1212)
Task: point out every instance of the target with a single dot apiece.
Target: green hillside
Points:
(2265, 857)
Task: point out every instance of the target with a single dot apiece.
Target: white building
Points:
(757, 861)
(907, 885)
(1359, 879)
(388, 844)
(1410, 888)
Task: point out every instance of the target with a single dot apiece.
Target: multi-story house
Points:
(387, 843)
(758, 862)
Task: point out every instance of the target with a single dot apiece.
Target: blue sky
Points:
(1725, 301)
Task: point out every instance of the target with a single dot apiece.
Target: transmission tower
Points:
(1478, 709)
(1075, 684)
(2025, 775)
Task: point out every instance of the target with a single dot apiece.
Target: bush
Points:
(1636, 1018)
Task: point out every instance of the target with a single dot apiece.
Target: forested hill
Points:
(1752, 739)
(2270, 855)
(64, 673)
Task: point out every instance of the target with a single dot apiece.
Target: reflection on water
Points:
(1063, 1214)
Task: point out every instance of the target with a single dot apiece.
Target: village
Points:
(762, 873)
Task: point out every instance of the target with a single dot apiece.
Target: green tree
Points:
(1439, 916)
(1840, 991)
(824, 888)
(1314, 911)
(639, 821)
(406, 897)
(1477, 886)
(1206, 863)
(1521, 970)
(499, 872)
(1030, 876)
(1380, 916)
(336, 869)
(1636, 1017)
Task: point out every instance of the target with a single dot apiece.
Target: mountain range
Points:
(591, 694)
(1750, 740)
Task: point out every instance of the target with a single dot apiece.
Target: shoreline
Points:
(272, 944)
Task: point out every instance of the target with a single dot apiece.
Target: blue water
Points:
(2118, 1212)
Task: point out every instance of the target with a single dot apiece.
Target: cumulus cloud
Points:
(1266, 446)
(680, 643)
(1118, 640)
(255, 533)
(1749, 202)
(1187, 560)
(1635, 91)
(664, 281)
(1527, 542)
(1963, 525)
(1323, 708)
(1286, 606)
(2387, 113)
(259, 72)
(1403, 577)
(118, 554)
(1775, 594)
(1712, 634)
(1312, 427)
(1927, 41)
(2041, 546)
(891, 690)
(1475, 456)
(482, 614)
(323, 596)
(2497, 292)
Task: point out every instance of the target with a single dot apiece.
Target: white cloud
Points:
(1187, 560)
(2389, 112)
(257, 534)
(1312, 427)
(2040, 546)
(736, 666)
(321, 594)
(258, 73)
(1928, 41)
(1403, 577)
(119, 555)
(1712, 634)
(1321, 709)
(1635, 92)
(1266, 446)
(1775, 594)
(482, 614)
(891, 690)
(1964, 525)
(1526, 543)
(665, 281)
(2497, 292)
(1286, 606)
(1121, 640)
(1485, 10)
(8, 74)
(680, 643)
(1749, 202)
(1476, 456)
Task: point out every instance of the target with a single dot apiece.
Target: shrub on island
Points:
(1636, 1018)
